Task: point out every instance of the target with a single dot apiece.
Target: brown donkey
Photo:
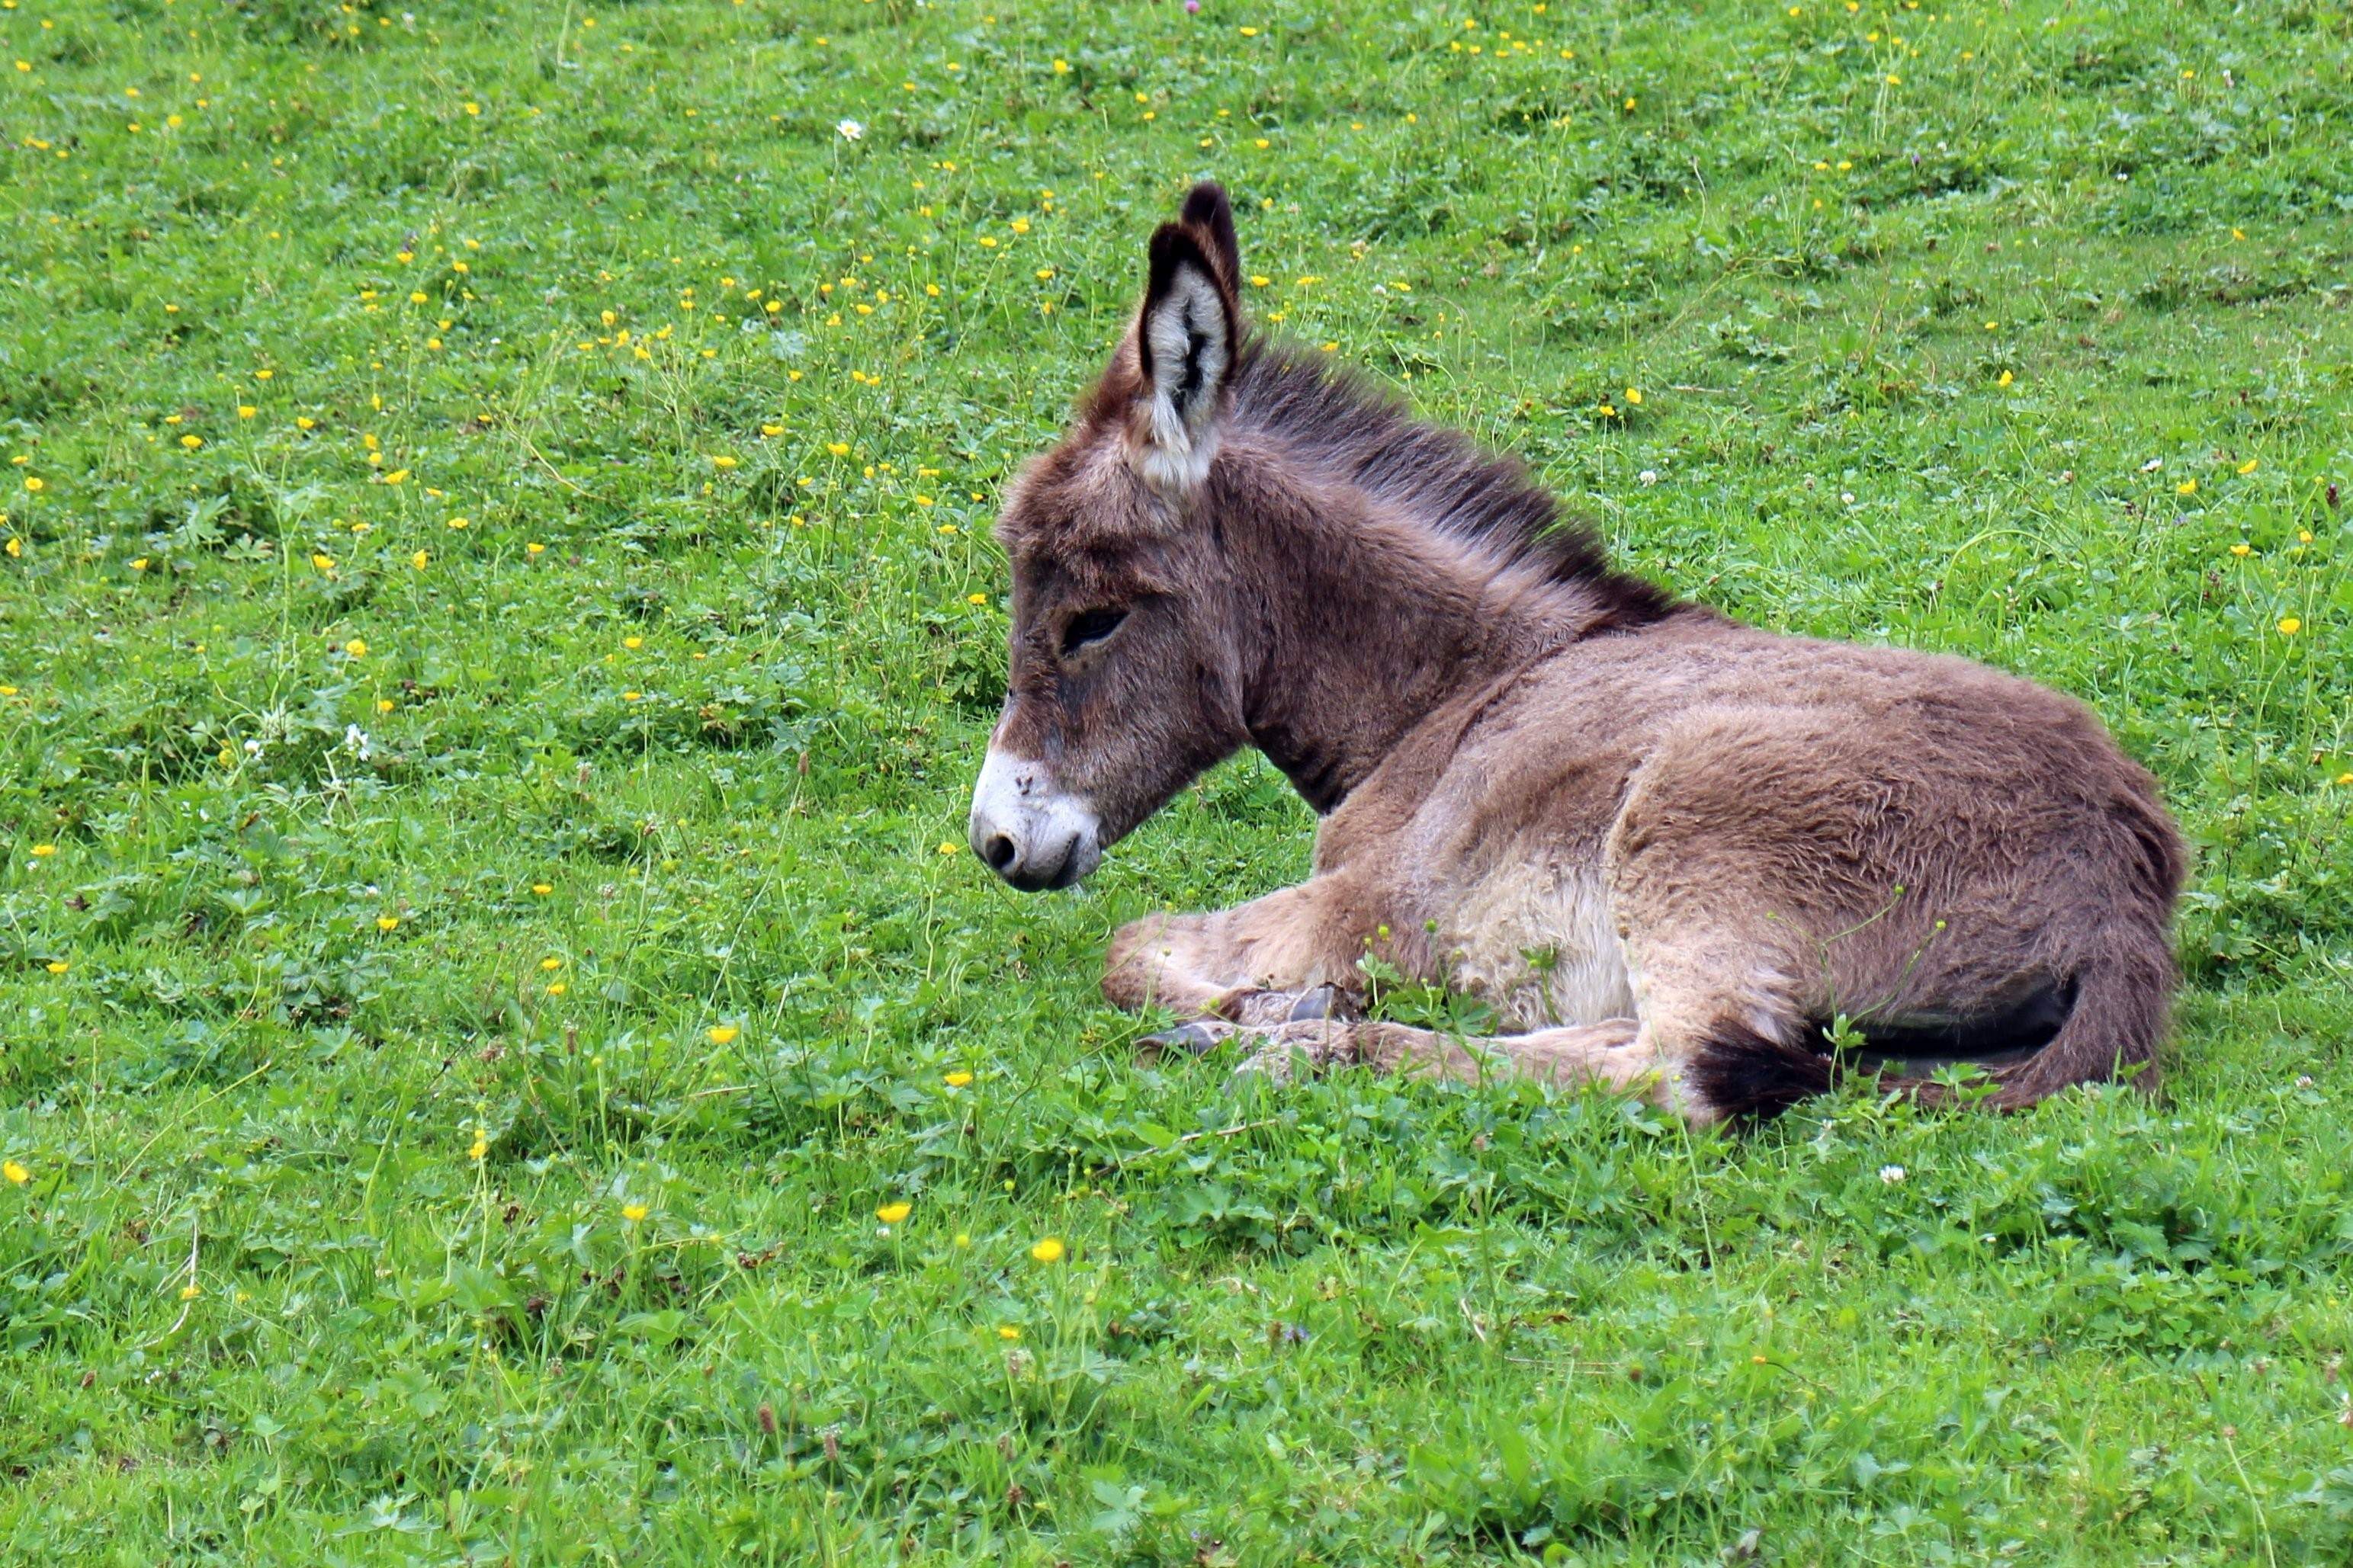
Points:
(1666, 849)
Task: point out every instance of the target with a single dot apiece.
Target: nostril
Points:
(998, 852)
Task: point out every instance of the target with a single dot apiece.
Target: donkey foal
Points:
(1666, 849)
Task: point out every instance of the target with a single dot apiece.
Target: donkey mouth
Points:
(1032, 874)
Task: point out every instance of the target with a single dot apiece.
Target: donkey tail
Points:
(2121, 988)
(2123, 991)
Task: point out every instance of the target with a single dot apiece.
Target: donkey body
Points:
(1667, 849)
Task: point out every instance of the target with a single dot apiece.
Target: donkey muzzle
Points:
(1028, 832)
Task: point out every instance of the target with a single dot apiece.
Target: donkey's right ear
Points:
(1185, 344)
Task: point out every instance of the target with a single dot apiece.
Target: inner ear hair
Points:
(1186, 345)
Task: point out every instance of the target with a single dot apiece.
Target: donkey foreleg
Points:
(1266, 961)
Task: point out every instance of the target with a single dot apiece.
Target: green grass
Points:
(2014, 330)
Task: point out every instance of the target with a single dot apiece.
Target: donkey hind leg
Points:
(1611, 1054)
(1263, 962)
(1713, 1012)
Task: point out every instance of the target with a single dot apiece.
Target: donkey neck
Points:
(1359, 621)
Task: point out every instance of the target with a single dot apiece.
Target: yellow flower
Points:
(2242, 549)
(1007, 1331)
(305, 422)
(1049, 1250)
(246, 411)
(975, 598)
(2004, 379)
(417, 296)
(892, 1214)
(459, 522)
(324, 563)
(56, 966)
(722, 463)
(140, 564)
(385, 705)
(2186, 488)
(420, 561)
(949, 847)
(634, 1211)
(482, 1145)
(388, 922)
(14, 1171)
(535, 549)
(633, 643)
(957, 1079)
(16, 547)
(723, 1034)
(42, 851)
(1633, 395)
(550, 963)
(839, 448)
(2249, 466)
(557, 989)
(2289, 625)
(190, 442)
(191, 1291)
(356, 647)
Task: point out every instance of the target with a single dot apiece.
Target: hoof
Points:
(1317, 1003)
(1194, 1039)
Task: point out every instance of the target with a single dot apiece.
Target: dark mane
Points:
(1370, 438)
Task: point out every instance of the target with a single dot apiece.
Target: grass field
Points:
(497, 626)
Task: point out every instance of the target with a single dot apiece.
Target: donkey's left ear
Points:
(1185, 338)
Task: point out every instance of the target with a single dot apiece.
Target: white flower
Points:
(1648, 476)
(850, 130)
(355, 741)
(1891, 1174)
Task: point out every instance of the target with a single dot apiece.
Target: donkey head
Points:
(1126, 676)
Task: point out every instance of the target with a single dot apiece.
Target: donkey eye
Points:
(1090, 626)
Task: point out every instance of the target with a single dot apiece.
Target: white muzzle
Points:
(1028, 832)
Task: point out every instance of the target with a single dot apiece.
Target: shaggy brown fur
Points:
(1667, 847)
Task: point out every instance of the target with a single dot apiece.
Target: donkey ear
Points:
(1208, 210)
(1185, 338)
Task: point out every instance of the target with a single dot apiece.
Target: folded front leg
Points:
(1250, 964)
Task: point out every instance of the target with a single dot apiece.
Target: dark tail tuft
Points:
(1742, 1074)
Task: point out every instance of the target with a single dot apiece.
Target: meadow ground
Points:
(497, 625)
